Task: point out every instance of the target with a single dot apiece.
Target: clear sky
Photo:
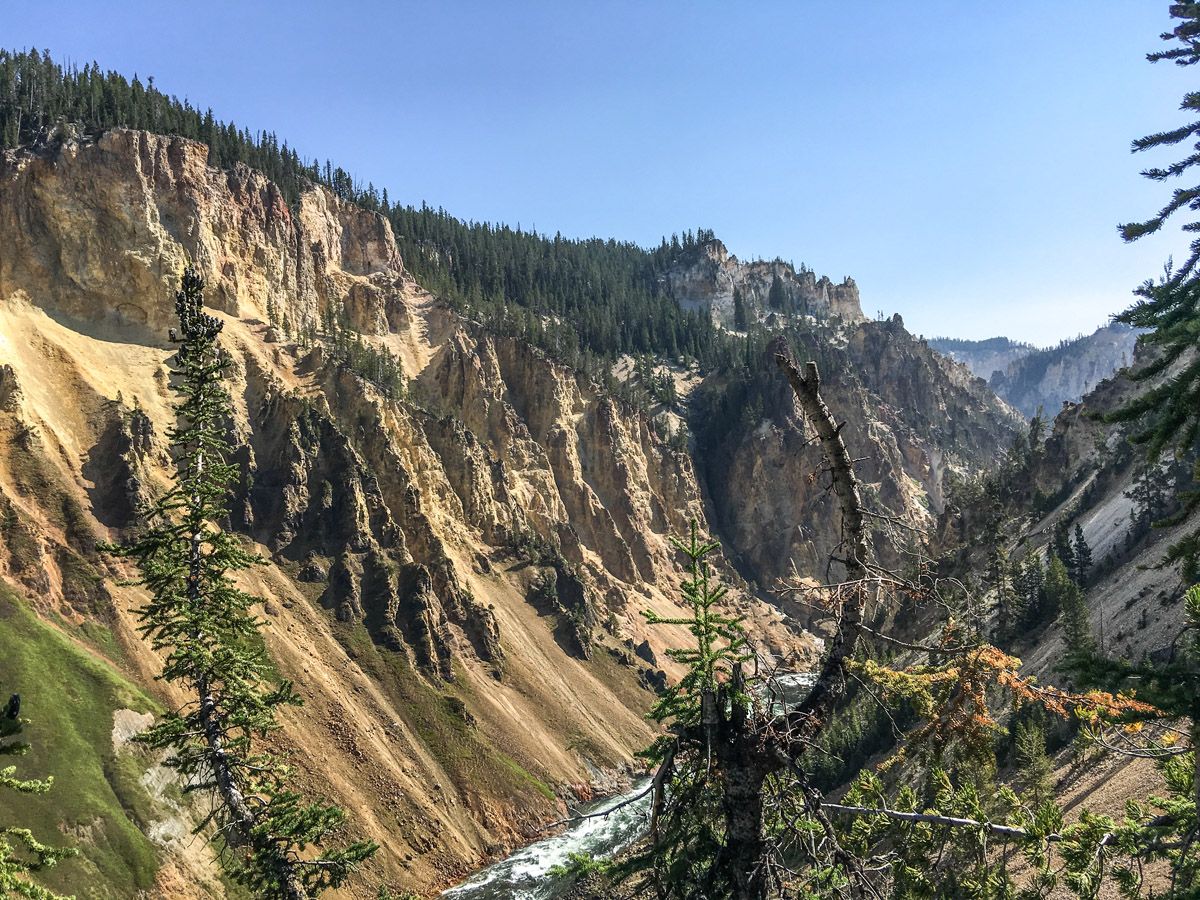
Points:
(966, 163)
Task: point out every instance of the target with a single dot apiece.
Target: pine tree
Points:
(1065, 600)
(1010, 611)
(21, 854)
(1029, 582)
(213, 649)
(720, 640)
(1061, 544)
(689, 856)
(735, 812)
(1034, 767)
(1149, 496)
(776, 298)
(1082, 557)
(740, 320)
(1169, 413)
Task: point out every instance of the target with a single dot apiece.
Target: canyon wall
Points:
(457, 557)
(450, 706)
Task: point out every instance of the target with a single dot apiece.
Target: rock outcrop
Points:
(458, 557)
(706, 278)
(442, 706)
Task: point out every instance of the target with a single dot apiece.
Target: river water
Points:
(525, 875)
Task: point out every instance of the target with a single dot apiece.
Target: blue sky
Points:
(966, 163)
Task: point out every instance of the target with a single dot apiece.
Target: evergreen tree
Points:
(688, 855)
(1010, 611)
(1061, 544)
(1029, 582)
(213, 647)
(720, 640)
(776, 298)
(1034, 767)
(21, 854)
(1169, 413)
(1149, 495)
(1173, 689)
(1065, 600)
(740, 320)
(1082, 554)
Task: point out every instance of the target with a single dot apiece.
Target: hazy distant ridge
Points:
(1031, 378)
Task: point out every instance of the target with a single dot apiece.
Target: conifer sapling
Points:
(203, 624)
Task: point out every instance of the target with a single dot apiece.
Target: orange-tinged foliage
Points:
(952, 697)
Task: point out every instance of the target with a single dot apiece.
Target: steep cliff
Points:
(1049, 378)
(461, 532)
(706, 278)
(448, 705)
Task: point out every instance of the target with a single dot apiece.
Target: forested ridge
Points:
(951, 345)
(585, 301)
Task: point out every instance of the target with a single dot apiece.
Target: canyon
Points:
(456, 569)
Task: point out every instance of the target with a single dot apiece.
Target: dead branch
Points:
(831, 682)
(582, 817)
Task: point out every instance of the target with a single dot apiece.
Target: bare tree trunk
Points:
(809, 717)
(742, 782)
(748, 753)
(744, 769)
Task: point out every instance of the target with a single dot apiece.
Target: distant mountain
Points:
(1030, 378)
(983, 358)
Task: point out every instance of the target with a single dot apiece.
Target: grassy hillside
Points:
(97, 802)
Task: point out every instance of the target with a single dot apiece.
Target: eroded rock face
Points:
(110, 224)
(118, 465)
(911, 416)
(411, 537)
(396, 590)
(707, 277)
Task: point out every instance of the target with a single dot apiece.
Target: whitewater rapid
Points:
(525, 875)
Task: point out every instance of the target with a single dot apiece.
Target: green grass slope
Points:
(97, 803)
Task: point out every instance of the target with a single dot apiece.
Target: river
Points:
(525, 875)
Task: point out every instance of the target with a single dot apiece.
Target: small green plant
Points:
(21, 854)
(581, 867)
(719, 639)
(693, 817)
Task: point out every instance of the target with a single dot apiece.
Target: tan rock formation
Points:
(706, 278)
(442, 707)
